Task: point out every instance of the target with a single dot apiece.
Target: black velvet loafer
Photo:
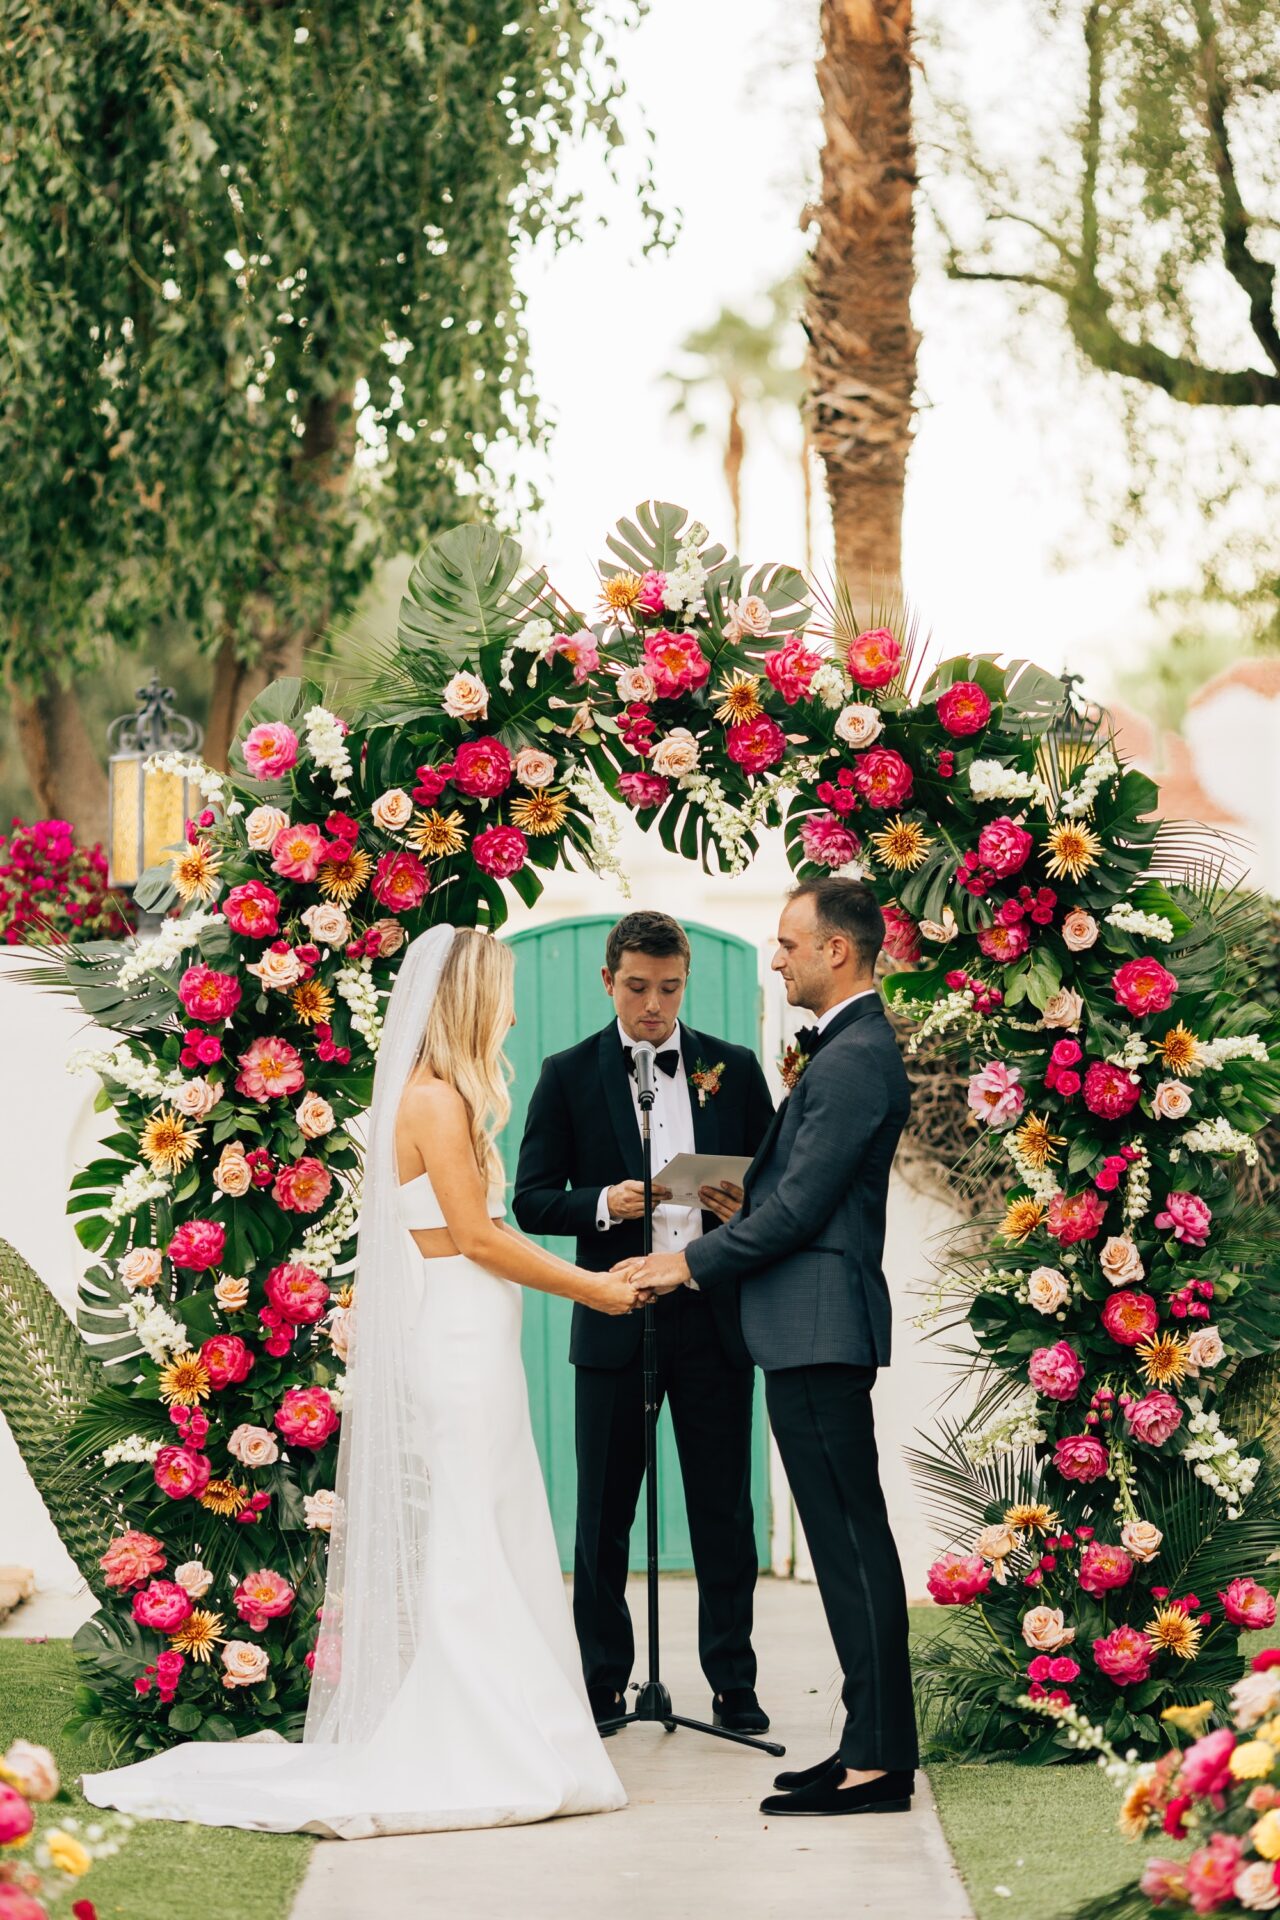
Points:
(805, 1776)
(738, 1711)
(891, 1793)
(606, 1704)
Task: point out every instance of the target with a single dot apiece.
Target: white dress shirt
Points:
(839, 1007)
(670, 1133)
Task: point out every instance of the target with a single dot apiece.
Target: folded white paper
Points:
(689, 1171)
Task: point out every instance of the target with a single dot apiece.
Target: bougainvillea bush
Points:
(53, 889)
(1096, 1505)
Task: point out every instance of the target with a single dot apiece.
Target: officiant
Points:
(579, 1174)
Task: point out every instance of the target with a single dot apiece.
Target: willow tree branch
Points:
(1256, 278)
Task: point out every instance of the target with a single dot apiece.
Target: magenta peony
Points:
(901, 936)
(653, 587)
(163, 1606)
(827, 841)
(270, 750)
(956, 1580)
(297, 853)
(1080, 1457)
(874, 657)
(1075, 1216)
(227, 1360)
(1103, 1567)
(1154, 1418)
(207, 994)
(400, 882)
(882, 777)
(197, 1244)
(253, 909)
(963, 708)
(755, 745)
(674, 662)
(643, 790)
(1130, 1317)
(790, 669)
(298, 1294)
(1056, 1371)
(303, 1186)
(263, 1596)
(1003, 943)
(1210, 1873)
(181, 1472)
(1004, 847)
(270, 1069)
(1143, 987)
(1109, 1091)
(1124, 1655)
(306, 1416)
(16, 1821)
(132, 1558)
(580, 650)
(1188, 1216)
(1206, 1764)
(1246, 1604)
(995, 1095)
(500, 851)
(482, 768)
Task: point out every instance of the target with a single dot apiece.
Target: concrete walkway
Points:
(692, 1845)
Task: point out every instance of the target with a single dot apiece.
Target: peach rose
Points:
(534, 768)
(195, 1098)
(1079, 931)
(1047, 1289)
(320, 1509)
(465, 697)
(995, 1541)
(254, 1447)
(34, 1770)
(245, 1664)
(278, 971)
(1171, 1101)
(634, 684)
(1141, 1539)
(749, 616)
(262, 826)
(140, 1267)
(1065, 1008)
(858, 726)
(392, 810)
(233, 1175)
(1120, 1261)
(327, 924)
(1043, 1629)
(314, 1116)
(676, 755)
(391, 936)
(1204, 1349)
(339, 1331)
(231, 1294)
(194, 1578)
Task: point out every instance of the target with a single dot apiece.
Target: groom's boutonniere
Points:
(707, 1080)
(792, 1064)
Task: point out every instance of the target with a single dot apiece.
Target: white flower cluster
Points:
(1089, 1737)
(336, 1389)
(1132, 1056)
(354, 984)
(829, 685)
(1137, 1190)
(135, 1450)
(535, 636)
(328, 748)
(1219, 1136)
(1077, 800)
(1147, 926)
(211, 786)
(686, 580)
(324, 1240)
(954, 1009)
(586, 787)
(1042, 1181)
(118, 1064)
(1017, 1427)
(1238, 1046)
(992, 780)
(163, 948)
(138, 1186)
(729, 824)
(1217, 1460)
(159, 1334)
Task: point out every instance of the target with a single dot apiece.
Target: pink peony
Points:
(790, 669)
(874, 657)
(580, 650)
(482, 768)
(674, 662)
(1130, 1317)
(756, 744)
(1188, 1216)
(643, 790)
(1210, 1873)
(270, 1069)
(132, 1558)
(882, 777)
(1064, 1671)
(500, 851)
(1246, 1604)
(253, 909)
(1003, 943)
(964, 708)
(16, 1821)
(901, 936)
(827, 841)
(1080, 1457)
(653, 587)
(1103, 1567)
(263, 1596)
(995, 1096)
(270, 750)
(303, 1186)
(181, 1472)
(207, 994)
(163, 1606)
(306, 1416)
(957, 1579)
(1075, 1216)
(298, 1294)
(1143, 987)
(1004, 847)
(1124, 1655)
(227, 1360)
(1109, 1091)
(1206, 1764)
(1164, 1882)
(400, 882)
(297, 853)
(1056, 1371)
(1154, 1418)
(197, 1244)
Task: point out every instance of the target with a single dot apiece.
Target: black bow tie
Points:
(806, 1041)
(668, 1060)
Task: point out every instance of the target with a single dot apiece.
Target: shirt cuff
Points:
(604, 1219)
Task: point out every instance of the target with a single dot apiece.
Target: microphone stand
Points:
(653, 1701)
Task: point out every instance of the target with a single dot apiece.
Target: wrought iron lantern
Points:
(147, 809)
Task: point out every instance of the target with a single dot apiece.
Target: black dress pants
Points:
(711, 1415)
(822, 1421)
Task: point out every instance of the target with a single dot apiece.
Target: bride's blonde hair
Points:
(463, 1040)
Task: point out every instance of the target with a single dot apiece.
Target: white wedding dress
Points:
(486, 1721)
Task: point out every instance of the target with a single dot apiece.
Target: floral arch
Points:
(1110, 1526)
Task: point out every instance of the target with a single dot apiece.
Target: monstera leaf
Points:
(469, 593)
(651, 543)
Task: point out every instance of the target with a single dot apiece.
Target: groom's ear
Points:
(607, 977)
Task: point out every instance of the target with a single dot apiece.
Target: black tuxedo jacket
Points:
(581, 1134)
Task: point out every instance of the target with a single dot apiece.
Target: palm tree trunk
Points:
(735, 448)
(862, 358)
(806, 482)
(65, 766)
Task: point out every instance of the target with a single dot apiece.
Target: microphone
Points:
(643, 1055)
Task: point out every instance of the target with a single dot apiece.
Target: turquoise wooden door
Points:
(559, 1000)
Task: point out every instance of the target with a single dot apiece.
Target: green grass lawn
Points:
(163, 1871)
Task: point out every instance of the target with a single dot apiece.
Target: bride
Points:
(448, 1688)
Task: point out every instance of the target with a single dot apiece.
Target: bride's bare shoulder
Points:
(431, 1102)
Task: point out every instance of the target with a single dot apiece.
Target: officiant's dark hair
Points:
(653, 933)
(848, 907)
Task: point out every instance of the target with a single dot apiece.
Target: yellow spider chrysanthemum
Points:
(436, 834)
(901, 845)
(1036, 1143)
(540, 812)
(1031, 1516)
(1072, 850)
(184, 1382)
(195, 872)
(344, 1296)
(198, 1635)
(1139, 1803)
(1164, 1360)
(312, 1002)
(739, 698)
(1021, 1219)
(620, 593)
(1172, 1631)
(1179, 1051)
(225, 1497)
(167, 1143)
(342, 880)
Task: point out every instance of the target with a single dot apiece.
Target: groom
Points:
(807, 1247)
(579, 1173)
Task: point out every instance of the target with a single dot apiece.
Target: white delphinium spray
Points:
(327, 746)
(354, 985)
(1078, 799)
(1219, 1053)
(1018, 1427)
(138, 1187)
(135, 1451)
(163, 948)
(323, 1241)
(1137, 1188)
(584, 785)
(159, 1334)
(992, 780)
(1216, 1458)
(534, 637)
(686, 581)
(1146, 926)
(1219, 1136)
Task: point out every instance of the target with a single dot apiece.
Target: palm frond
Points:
(1124, 1903)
